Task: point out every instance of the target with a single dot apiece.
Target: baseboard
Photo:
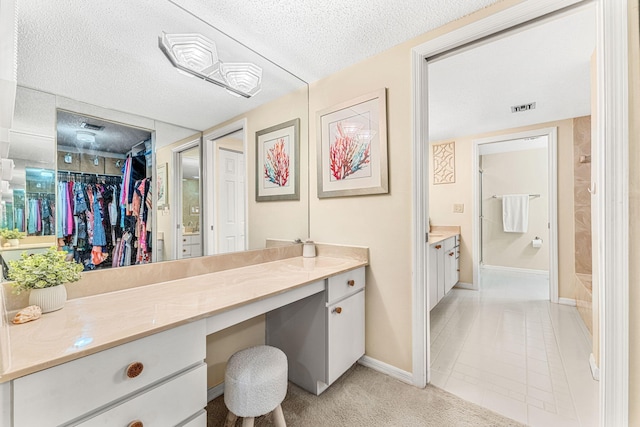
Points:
(528, 271)
(463, 285)
(595, 371)
(567, 301)
(385, 368)
(214, 392)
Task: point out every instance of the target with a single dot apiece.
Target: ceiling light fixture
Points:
(196, 55)
(86, 136)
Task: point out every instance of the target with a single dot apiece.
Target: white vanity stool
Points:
(255, 383)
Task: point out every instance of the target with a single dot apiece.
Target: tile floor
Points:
(510, 350)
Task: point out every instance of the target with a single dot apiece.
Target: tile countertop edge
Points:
(26, 336)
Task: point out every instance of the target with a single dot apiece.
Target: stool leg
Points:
(247, 422)
(231, 420)
(278, 417)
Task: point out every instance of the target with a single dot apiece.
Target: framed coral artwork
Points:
(352, 147)
(278, 162)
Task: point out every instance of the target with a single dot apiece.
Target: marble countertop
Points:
(95, 323)
(440, 233)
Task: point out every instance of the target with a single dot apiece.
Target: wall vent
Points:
(89, 126)
(523, 107)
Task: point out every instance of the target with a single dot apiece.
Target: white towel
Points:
(515, 213)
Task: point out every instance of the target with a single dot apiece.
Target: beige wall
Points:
(281, 219)
(381, 222)
(516, 172)
(634, 214)
(442, 197)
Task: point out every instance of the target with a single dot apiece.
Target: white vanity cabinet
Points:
(322, 335)
(444, 268)
(157, 380)
(191, 246)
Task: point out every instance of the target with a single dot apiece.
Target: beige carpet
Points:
(364, 397)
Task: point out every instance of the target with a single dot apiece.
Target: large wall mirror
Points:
(108, 124)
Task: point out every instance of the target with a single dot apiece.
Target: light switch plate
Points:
(458, 208)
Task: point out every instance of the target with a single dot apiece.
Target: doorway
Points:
(521, 164)
(226, 189)
(188, 199)
(612, 125)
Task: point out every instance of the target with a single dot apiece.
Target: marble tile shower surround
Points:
(582, 218)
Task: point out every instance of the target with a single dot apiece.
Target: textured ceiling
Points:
(114, 138)
(315, 39)
(548, 63)
(106, 52)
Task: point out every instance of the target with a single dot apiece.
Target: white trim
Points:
(516, 270)
(215, 391)
(552, 188)
(567, 301)
(612, 182)
(595, 371)
(612, 125)
(208, 173)
(464, 285)
(385, 368)
(175, 195)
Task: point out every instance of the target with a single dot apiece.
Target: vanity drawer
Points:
(73, 389)
(345, 284)
(169, 404)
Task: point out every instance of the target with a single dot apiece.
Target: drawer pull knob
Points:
(438, 246)
(133, 370)
(450, 253)
(136, 423)
(351, 282)
(337, 310)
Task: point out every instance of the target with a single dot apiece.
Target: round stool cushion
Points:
(255, 381)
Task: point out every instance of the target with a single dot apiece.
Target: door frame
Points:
(176, 157)
(612, 122)
(209, 147)
(552, 165)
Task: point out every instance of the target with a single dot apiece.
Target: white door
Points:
(231, 209)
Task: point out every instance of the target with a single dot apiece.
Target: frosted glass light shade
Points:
(192, 52)
(245, 77)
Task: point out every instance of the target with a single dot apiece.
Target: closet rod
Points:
(534, 196)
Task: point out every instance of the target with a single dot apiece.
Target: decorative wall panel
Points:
(444, 163)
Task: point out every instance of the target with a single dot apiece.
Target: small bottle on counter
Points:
(309, 249)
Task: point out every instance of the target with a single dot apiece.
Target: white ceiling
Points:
(106, 53)
(548, 63)
(315, 39)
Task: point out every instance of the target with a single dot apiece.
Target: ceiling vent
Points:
(89, 126)
(523, 107)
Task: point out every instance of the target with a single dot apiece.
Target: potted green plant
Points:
(12, 236)
(44, 275)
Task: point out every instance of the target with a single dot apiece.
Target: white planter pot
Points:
(48, 299)
(13, 242)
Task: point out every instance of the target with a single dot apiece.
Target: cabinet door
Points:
(433, 276)
(451, 267)
(345, 335)
(441, 271)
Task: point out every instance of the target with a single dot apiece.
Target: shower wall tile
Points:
(581, 196)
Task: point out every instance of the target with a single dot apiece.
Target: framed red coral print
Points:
(278, 162)
(352, 147)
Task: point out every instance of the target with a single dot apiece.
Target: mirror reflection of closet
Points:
(39, 219)
(104, 213)
(189, 202)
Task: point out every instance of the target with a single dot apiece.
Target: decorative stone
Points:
(33, 312)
